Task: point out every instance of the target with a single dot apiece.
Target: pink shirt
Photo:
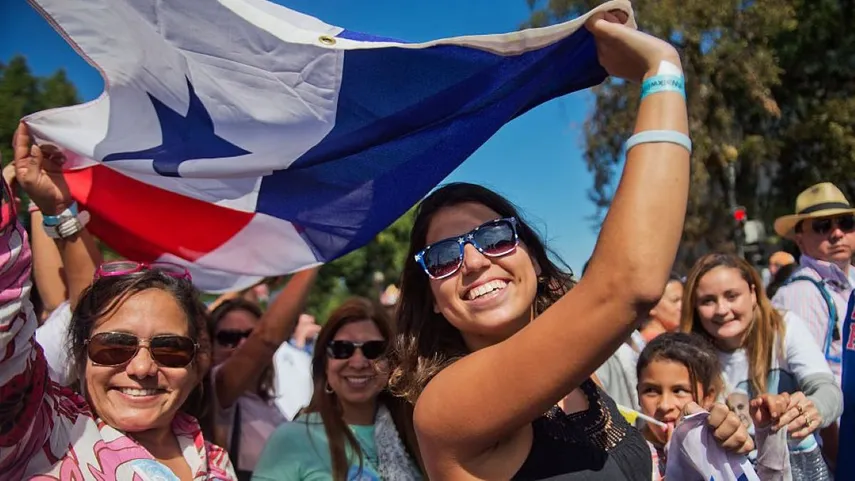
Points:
(48, 432)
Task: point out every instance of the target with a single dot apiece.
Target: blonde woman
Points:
(761, 350)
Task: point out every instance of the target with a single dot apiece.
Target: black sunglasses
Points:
(346, 349)
(846, 223)
(117, 348)
(493, 239)
(231, 337)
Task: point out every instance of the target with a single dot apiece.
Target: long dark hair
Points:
(765, 332)
(692, 351)
(265, 387)
(427, 342)
(106, 294)
(327, 404)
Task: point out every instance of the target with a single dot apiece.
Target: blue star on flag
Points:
(184, 137)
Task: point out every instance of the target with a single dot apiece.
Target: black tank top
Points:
(593, 445)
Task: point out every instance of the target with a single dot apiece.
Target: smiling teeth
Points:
(486, 289)
(139, 392)
(359, 381)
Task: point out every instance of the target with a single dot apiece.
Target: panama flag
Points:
(243, 139)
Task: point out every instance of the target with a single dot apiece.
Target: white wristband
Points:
(658, 136)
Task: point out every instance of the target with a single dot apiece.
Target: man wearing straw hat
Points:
(823, 227)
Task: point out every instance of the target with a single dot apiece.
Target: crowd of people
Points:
(492, 361)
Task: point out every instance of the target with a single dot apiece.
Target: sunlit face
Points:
(667, 311)
(357, 380)
(489, 298)
(834, 246)
(141, 395)
(664, 389)
(239, 323)
(725, 305)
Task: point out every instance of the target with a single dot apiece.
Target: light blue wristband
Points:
(658, 136)
(55, 220)
(663, 83)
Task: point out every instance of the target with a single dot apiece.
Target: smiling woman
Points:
(762, 351)
(138, 339)
(138, 342)
(353, 428)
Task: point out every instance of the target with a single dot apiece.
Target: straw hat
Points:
(820, 200)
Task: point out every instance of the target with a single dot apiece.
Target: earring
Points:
(327, 388)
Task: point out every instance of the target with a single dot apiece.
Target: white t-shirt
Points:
(53, 337)
(618, 376)
(801, 358)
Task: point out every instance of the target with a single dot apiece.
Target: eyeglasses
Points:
(493, 239)
(346, 349)
(122, 268)
(231, 337)
(118, 348)
(846, 223)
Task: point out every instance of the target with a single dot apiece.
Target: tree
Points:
(769, 89)
(22, 93)
(363, 272)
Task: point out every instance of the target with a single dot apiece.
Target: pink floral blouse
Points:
(48, 432)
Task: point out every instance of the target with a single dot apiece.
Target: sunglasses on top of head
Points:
(118, 348)
(123, 268)
(846, 223)
(346, 349)
(493, 239)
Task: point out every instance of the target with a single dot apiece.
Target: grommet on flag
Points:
(326, 40)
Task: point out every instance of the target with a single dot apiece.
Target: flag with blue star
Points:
(243, 139)
(184, 137)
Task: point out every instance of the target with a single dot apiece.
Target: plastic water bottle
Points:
(806, 461)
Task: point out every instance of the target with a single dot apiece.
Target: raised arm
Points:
(48, 271)
(23, 371)
(78, 253)
(562, 347)
(242, 370)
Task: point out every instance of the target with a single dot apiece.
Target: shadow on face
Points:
(828, 239)
(231, 332)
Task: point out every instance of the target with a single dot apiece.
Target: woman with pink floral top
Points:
(137, 341)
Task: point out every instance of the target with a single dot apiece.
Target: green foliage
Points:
(769, 87)
(363, 272)
(22, 93)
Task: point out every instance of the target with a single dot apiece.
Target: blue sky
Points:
(535, 160)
